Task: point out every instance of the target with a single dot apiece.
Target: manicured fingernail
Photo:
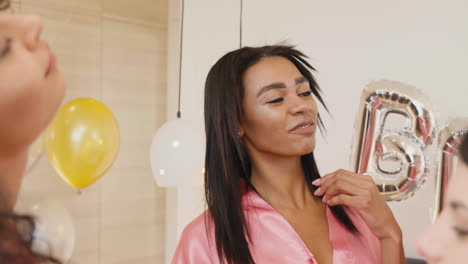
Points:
(317, 192)
(316, 182)
(325, 199)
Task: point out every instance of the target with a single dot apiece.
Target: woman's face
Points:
(31, 90)
(31, 85)
(280, 114)
(446, 241)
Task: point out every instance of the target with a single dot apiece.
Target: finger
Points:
(365, 177)
(324, 186)
(329, 176)
(348, 188)
(356, 175)
(347, 200)
(344, 187)
(323, 179)
(363, 181)
(331, 184)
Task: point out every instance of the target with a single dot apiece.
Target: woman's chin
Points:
(308, 147)
(304, 150)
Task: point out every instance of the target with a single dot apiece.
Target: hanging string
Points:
(241, 15)
(101, 84)
(180, 55)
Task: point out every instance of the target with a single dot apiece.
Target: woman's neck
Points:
(280, 180)
(11, 175)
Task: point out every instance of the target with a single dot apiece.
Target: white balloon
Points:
(177, 153)
(54, 234)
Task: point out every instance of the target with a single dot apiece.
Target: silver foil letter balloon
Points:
(395, 154)
(450, 138)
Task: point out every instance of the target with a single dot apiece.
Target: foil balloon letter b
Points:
(397, 156)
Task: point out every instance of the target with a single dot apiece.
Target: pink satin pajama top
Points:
(276, 242)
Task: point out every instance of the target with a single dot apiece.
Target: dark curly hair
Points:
(16, 240)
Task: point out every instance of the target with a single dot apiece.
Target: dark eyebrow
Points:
(457, 205)
(279, 85)
(6, 48)
(300, 80)
(272, 86)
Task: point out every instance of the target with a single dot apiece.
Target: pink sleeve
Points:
(371, 244)
(349, 248)
(193, 246)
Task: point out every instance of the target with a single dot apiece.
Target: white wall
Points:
(422, 43)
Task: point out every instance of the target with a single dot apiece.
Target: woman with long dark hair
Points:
(31, 90)
(266, 200)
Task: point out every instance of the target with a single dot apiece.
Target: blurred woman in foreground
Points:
(31, 90)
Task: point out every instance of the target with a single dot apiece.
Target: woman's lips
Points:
(52, 61)
(304, 128)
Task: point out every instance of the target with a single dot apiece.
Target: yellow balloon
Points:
(82, 141)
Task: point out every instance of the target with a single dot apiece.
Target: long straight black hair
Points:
(227, 161)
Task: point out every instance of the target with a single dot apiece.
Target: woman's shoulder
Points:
(198, 227)
(196, 242)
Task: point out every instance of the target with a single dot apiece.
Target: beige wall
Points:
(113, 51)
